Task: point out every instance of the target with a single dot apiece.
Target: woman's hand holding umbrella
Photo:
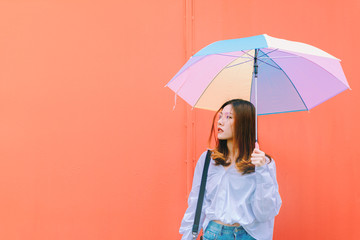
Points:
(258, 157)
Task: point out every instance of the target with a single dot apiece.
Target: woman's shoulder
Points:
(203, 156)
(268, 159)
(270, 162)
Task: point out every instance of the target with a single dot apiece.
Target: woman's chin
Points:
(221, 138)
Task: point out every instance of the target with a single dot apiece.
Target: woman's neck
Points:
(230, 145)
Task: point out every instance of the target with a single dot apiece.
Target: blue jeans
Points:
(215, 231)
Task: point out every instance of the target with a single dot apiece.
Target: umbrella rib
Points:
(251, 58)
(325, 70)
(295, 56)
(267, 57)
(269, 64)
(183, 70)
(268, 52)
(281, 57)
(291, 83)
(328, 98)
(182, 84)
(238, 63)
(211, 82)
(248, 53)
(228, 55)
(282, 112)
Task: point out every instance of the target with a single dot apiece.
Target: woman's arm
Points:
(266, 201)
(188, 219)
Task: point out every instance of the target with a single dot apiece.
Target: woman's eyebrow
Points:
(225, 112)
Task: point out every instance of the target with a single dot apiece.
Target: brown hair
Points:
(243, 136)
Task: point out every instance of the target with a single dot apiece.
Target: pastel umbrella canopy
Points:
(291, 76)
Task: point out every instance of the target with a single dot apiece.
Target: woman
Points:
(241, 196)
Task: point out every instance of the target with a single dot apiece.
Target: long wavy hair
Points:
(243, 137)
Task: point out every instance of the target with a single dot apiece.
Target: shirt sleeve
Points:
(188, 219)
(266, 201)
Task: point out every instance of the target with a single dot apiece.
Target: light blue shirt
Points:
(252, 200)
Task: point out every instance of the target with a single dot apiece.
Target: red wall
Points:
(90, 147)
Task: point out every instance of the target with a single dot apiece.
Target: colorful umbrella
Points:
(276, 75)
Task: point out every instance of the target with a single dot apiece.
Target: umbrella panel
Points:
(314, 83)
(283, 86)
(233, 81)
(276, 93)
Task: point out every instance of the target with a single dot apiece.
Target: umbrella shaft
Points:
(256, 62)
(255, 80)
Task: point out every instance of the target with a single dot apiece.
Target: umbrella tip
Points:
(174, 102)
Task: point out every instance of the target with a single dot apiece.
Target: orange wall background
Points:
(90, 147)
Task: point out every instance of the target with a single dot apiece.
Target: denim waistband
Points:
(220, 228)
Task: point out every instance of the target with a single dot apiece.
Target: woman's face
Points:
(225, 123)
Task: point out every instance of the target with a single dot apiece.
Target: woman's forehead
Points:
(227, 109)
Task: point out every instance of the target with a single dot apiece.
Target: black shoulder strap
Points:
(195, 228)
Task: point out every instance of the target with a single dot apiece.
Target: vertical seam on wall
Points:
(190, 114)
